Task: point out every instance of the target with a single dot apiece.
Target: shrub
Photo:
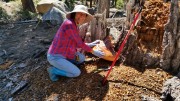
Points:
(119, 4)
(25, 15)
(3, 14)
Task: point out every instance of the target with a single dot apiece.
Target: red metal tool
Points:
(122, 45)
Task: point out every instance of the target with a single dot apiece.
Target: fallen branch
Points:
(19, 22)
(19, 87)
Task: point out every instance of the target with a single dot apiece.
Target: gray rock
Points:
(22, 65)
(55, 16)
(171, 89)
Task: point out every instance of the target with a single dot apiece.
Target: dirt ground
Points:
(26, 45)
(23, 52)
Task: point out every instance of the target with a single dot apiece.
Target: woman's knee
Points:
(74, 73)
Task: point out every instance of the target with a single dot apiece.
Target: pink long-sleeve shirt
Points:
(67, 40)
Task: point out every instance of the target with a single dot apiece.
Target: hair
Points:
(73, 15)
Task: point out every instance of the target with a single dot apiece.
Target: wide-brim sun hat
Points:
(82, 9)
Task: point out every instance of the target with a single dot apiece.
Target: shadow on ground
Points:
(88, 86)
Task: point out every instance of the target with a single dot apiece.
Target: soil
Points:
(23, 51)
(25, 45)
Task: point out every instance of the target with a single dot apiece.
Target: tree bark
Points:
(28, 5)
(144, 46)
(154, 43)
(98, 24)
(170, 59)
(102, 6)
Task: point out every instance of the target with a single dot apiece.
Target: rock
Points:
(22, 65)
(55, 16)
(171, 89)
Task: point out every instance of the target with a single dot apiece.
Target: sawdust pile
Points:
(151, 28)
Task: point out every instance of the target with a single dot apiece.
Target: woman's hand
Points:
(98, 53)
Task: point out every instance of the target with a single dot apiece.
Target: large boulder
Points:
(45, 5)
(55, 16)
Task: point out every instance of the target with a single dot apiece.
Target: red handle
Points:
(122, 45)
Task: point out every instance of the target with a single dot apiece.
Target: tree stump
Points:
(98, 24)
(170, 59)
(144, 47)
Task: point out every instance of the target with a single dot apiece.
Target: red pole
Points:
(122, 45)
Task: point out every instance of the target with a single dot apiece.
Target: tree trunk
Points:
(102, 6)
(28, 5)
(144, 47)
(98, 25)
(170, 59)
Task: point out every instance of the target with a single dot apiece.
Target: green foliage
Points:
(25, 15)
(3, 14)
(119, 4)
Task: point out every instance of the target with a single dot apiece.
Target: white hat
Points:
(83, 9)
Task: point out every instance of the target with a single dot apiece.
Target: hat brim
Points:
(88, 18)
